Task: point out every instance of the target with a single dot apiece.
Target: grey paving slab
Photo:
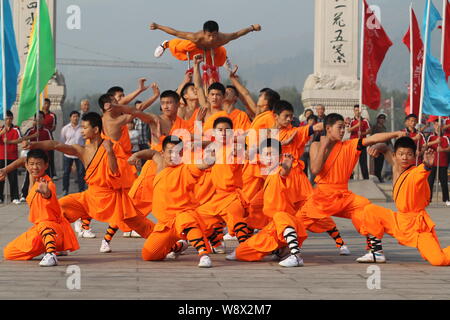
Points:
(123, 275)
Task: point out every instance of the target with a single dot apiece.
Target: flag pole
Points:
(411, 61)
(2, 27)
(361, 63)
(392, 114)
(425, 52)
(38, 62)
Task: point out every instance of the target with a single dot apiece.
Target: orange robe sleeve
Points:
(141, 192)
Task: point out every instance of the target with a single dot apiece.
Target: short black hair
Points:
(313, 117)
(171, 140)
(137, 101)
(105, 98)
(282, 105)
(405, 142)
(37, 154)
(332, 118)
(170, 94)
(356, 106)
(211, 26)
(183, 91)
(271, 96)
(47, 100)
(236, 92)
(9, 114)
(114, 89)
(94, 119)
(74, 112)
(272, 143)
(306, 110)
(217, 86)
(223, 120)
(411, 115)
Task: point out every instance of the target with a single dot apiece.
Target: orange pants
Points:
(30, 244)
(180, 48)
(256, 219)
(316, 225)
(377, 221)
(75, 206)
(270, 237)
(231, 215)
(164, 236)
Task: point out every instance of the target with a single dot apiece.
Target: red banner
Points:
(376, 44)
(417, 63)
(446, 44)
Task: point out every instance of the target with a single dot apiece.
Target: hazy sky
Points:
(119, 29)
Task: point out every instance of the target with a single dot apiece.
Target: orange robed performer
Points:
(105, 200)
(333, 161)
(284, 228)
(192, 43)
(410, 225)
(174, 206)
(51, 232)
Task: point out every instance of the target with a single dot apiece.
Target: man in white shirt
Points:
(71, 134)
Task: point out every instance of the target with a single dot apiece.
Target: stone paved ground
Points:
(123, 275)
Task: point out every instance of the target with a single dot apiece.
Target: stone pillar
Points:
(334, 82)
(24, 13)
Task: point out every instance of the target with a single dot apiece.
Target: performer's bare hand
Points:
(153, 26)
(428, 157)
(3, 174)
(26, 145)
(43, 188)
(256, 27)
(198, 58)
(133, 160)
(141, 84)
(155, 89)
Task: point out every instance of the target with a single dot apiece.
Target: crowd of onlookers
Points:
(432, 134)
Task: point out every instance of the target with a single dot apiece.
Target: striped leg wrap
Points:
(241, 231)
(85, 224)
(195, 238)
(177, 247)
(49, 238)
(335, 234)
(375, 244)
(290, 236)
(110, 232)
(216, 237)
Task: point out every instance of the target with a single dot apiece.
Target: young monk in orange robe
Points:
(50, 231)
(333, 161)
(241, 121)
(284, 228)
(105, 200)
(193, 43)
(174, 206)
(410, 225)
(227, 202)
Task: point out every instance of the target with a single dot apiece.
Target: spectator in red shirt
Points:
(37, 131)
(304, 117)
(9, 137)
(446, 127)
(360, 128)
(50, 124)
(441, 145)
(411, 121)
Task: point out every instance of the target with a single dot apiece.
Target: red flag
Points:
(417, 62)
(376, 44)
(446, 43)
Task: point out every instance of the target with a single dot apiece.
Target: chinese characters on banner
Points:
(339, 35)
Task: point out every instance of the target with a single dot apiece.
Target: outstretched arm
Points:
(130, 97)
(382, 137)
(192, 36)
(132, 112)
(144, 154)
(47, 145)
(227, 37)
(11, 167)
(244, 94)
(147, 103)
(198, 81)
